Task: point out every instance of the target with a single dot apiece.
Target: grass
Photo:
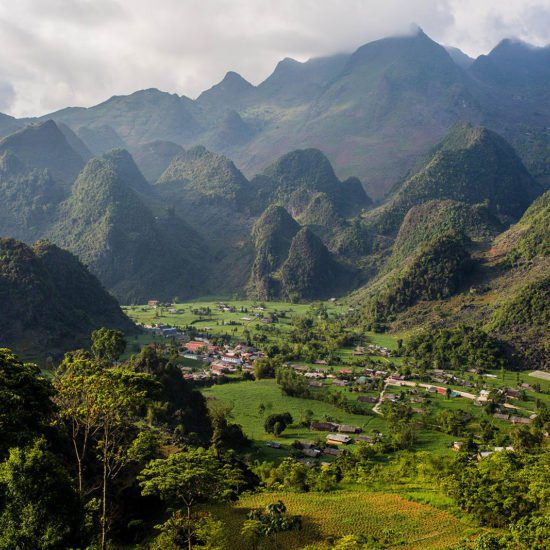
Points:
(245, 399)
(390, 518)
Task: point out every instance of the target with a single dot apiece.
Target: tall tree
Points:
(39, 508)
(187, 478)
(101, 407)
(25, 404)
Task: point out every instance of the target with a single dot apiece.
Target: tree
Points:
(186, 479)
(101, 406)
(107, 344)
(277, 423)
(25, 402)
(271, 520)
(265, 367)
(39, 508)
(207, 533)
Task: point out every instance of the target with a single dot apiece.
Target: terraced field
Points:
(389, 519)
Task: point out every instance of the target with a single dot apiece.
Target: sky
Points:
(58, 53)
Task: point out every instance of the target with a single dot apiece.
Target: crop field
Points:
(394, 521)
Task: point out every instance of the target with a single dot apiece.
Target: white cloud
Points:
(80, 52)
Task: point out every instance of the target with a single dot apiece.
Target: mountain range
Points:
(373, 112)
(254, 189)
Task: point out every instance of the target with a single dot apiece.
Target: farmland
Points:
(388, 518)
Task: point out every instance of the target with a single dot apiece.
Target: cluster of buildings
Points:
(218, 360)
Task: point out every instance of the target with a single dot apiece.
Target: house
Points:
(441, 391)
(231, 359)
(332, 452)
(500, 416)
(314, 375)
(345, 371)
(483, 395)
(153, 303)
(169, 332)
(195, 346)
(431, 389)
(514, 394)
(519, 420)
(321, 362)
(367, 399)
(340, 383)
(347, 429)
(365, 438)
(323, 426)
(312, 453)
(526, 386)
(338, 439)
(390, 397)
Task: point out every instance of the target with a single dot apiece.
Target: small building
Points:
(332, 452)
(231, 359)
(500, 416)
(323, 426)
(519, 420)
(347, 429)
(338, 439)
(312, 453)
(367, 399)
(340, 383)
(153, 303)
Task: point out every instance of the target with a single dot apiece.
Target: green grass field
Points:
(394, 521)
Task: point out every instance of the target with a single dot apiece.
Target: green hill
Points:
(471, 165)
(272, 234)
(296, 178)
(433, 218)
(310, 272)
(50, 301)
(529, 237)
(114, 233)
(434, 272)
(43, 146)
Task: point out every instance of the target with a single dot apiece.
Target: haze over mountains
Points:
(269, 190)
(372, 112)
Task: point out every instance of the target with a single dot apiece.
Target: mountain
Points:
(50, 302)
(231, 91)
(272, 234)
(8, 125)
(434, 272)
(426, 221)
(43, 146)
(463, 60)
(106, 223)
(29, 198)
(100, 138)
(75, 142)
(374, 112)
(529, 237)
(515, 65)
(154, 157)
(141, 117)
(471, 165)
(296, 178)
(310, 272)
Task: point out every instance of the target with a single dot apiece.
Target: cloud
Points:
(80, 52)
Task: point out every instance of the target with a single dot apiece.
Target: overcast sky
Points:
(57, 53)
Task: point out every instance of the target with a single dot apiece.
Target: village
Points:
(210, 361)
